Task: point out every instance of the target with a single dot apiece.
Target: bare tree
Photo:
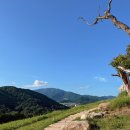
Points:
(122, 62)
(109, 16)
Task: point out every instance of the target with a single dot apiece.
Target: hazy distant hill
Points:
(58, 94)
(25, 102)
(64, 96)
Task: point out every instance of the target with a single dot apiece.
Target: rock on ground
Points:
(77, 125)
(93, 115)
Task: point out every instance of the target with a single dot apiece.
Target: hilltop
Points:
(21, 103)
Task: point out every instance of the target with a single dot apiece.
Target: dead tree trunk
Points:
(125, 78)
(124, 75)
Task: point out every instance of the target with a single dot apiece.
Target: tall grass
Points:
(119, 102)
(112, 123)
(19, 123)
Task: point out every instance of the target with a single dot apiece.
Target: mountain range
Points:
(62, 96)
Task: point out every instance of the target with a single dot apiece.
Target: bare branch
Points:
(99, 18)
(124, 70)
(84, 20)
(116, 75)
(109, 6)
(108, 16)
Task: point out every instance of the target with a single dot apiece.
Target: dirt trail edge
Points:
(65, 122)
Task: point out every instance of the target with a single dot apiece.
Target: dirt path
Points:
(64, 122)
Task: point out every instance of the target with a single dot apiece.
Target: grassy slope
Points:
(115, 122)
(120, 122)
(40, 122)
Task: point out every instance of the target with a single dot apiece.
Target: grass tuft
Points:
(120, 102)
(123, 94)
(111, 123)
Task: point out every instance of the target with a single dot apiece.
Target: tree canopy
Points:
(122, 60)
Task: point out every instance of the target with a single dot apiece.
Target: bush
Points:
(120, 102)
(10, 117)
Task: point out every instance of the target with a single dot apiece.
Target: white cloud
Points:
(38, 83)
(101, 79)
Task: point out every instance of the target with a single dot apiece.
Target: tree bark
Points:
(124, 76)
(119, 24)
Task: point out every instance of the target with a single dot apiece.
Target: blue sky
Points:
(42, 44)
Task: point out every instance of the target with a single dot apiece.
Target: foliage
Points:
(24, 103)
(11, 117)
(122, 60)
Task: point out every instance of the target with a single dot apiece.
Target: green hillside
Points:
(17, 103)
(64, 96)
(42, 121)
(117, 117)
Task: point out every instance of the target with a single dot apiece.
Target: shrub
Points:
(10, 117)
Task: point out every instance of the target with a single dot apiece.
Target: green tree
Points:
(122, 65)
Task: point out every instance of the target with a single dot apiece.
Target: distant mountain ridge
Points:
(25, 102)
(58, 94)
(64, 96)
